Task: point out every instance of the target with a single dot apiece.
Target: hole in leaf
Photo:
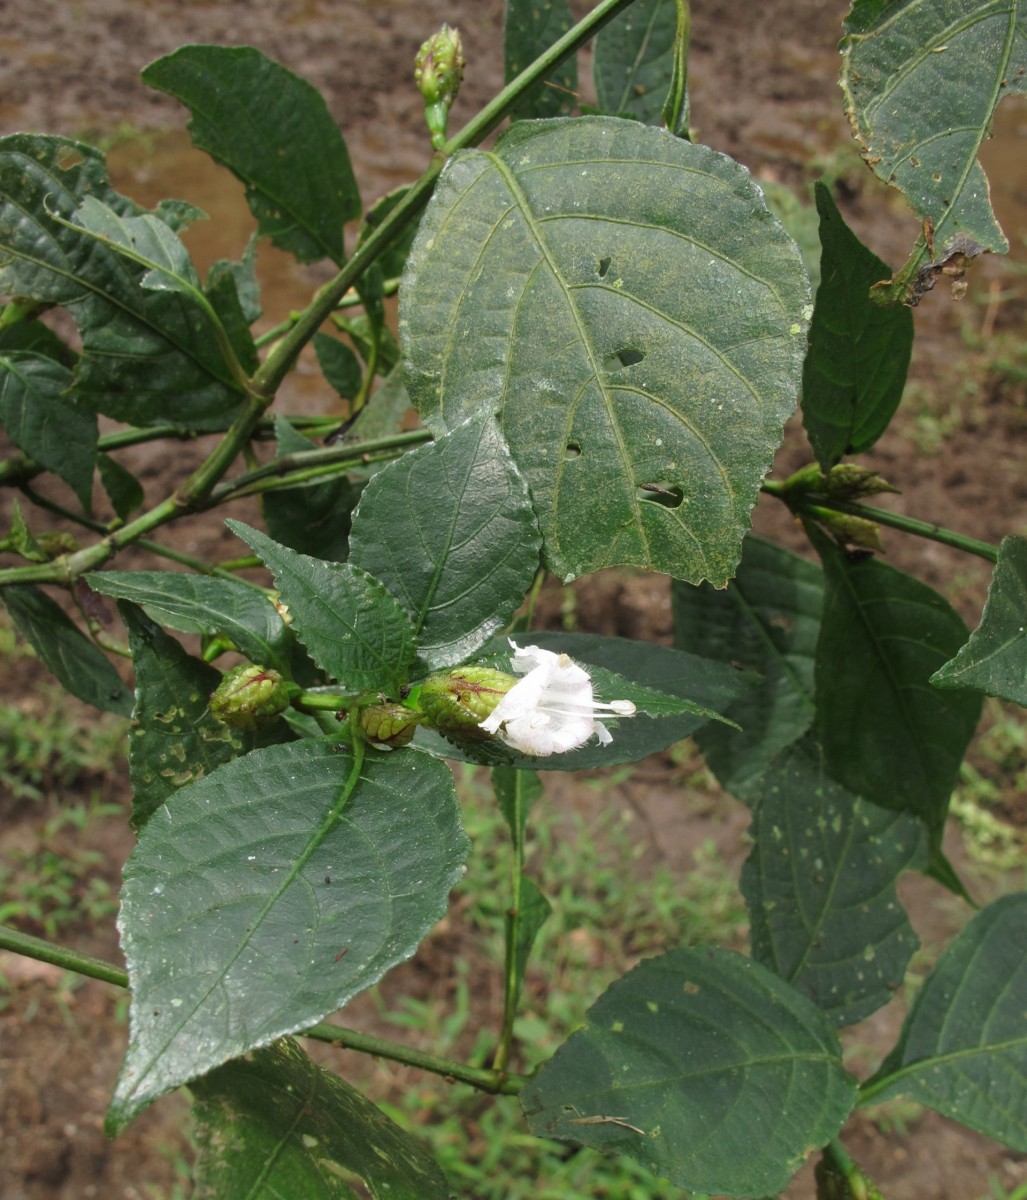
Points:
(668, 495)
(573, 450)
(604, 266)
(627, 357)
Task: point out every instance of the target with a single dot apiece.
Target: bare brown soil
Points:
(764, 91)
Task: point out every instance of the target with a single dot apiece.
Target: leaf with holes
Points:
(682, 1060)
(251, 909)
(921, 81)
(629, 306)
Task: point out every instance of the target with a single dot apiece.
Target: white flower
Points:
(550, 710)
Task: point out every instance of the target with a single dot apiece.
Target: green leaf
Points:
(353, 627)
(250, 910)
(123, 489)
(767, 619)
(149, 353)
(244, 275)
(859, 351)
(963, 1047)
(921, 83)
(546, 283)
(530, 27)
(47, 423)
(516, 791)
(79, 664)
(682, 691)
(705, 1067)
(887, 734)
(21, 540)
(393, 259)
(274, 1125)
(174, 740)
(634, 61)
(339, 365)
(820, 888)
(449, 529)
(274, 131)
(36, 338)
(314, 518)
(994, 660)
(225, 299)
(200, 604)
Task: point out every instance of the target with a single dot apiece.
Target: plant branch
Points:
(95, 968)
(805, 502)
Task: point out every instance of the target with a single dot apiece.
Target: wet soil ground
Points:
(764, 90)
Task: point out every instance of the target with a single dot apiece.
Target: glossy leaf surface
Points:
(767, 620)
(449, 529)
(682, 1059)
(250, 911)
(79, 664)
(274, 131)
(921, 80)
(859, 351)
(820, 888)
(203, 605)
(352, 626)
(634, 313)
(274, 1125)
(963, 1048)
(994, 660)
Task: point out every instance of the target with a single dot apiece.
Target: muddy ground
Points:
(763, 90)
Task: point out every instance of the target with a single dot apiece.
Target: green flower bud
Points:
(438, 71)
(388, 724)
(249, 697)
(458, 701)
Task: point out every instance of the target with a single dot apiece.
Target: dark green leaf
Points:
(36, 338)
(47, 423)
(529, 29)
(687, 691)
(643, 412)
(339, 365)
(705, 1067)
(244, 275)
(174, 739)
(994, 660)
(124, 490)
(251, 910)
(820, 888)
(449, 529)
(315, 518)
(921, 83)
(79, 664)
(274, 1125)
(274, 131)
(200, 604)
(858, 350)
(179, 214)
(150, 354)
(387, 410)
(767, 619)
(516, 791)
(353, 627)
(21, 540)
(634, 61)
(887, 734)
(963, 1048)
(224, 297)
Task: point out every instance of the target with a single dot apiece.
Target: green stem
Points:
(808, 501)
(95, 968)
(858, 1186)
